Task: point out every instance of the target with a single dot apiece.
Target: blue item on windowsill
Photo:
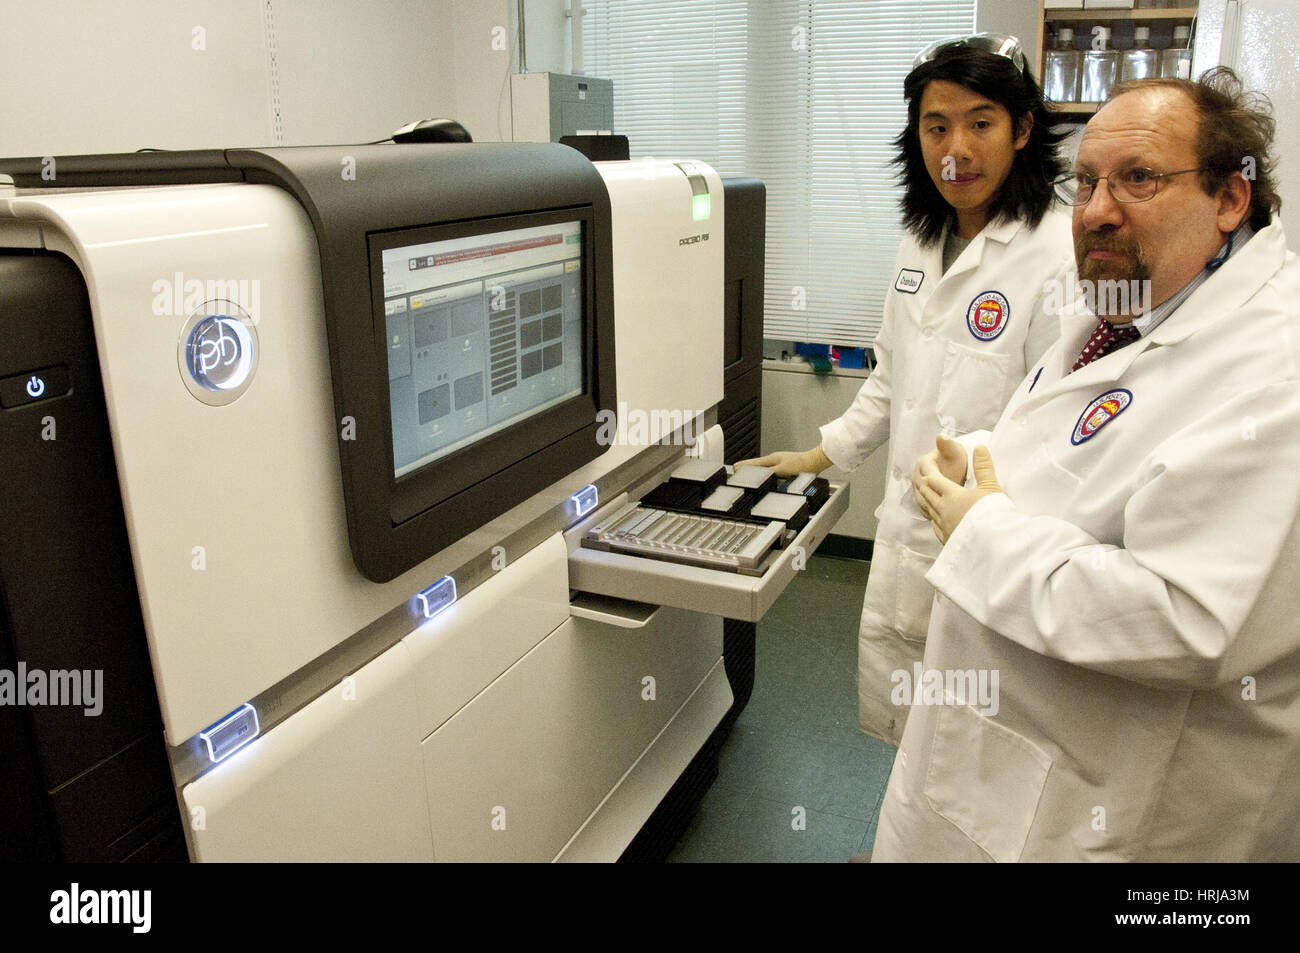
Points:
(853, 357)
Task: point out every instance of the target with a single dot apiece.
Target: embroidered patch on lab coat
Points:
(1100, 412)
(909, 281)
(987, 315)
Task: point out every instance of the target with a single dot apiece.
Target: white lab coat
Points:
(935, 372)
(1138, 591)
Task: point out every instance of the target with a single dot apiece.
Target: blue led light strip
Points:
(437, 597)
(231, 733)
(585, 500)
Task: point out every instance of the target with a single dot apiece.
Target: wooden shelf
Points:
(1084, 109)
(1104, 13)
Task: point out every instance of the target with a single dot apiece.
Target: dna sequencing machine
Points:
(384, 487)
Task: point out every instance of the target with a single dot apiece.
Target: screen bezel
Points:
(414, 493)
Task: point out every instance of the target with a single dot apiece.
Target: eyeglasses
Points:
(1129, 185)
(996, 43)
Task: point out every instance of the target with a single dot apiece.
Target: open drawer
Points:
(713, 591)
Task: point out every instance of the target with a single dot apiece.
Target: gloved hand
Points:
(945, 501)
(788, 463)
(948, 458)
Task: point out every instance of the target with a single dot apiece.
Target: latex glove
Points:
(789, 463)
(945, 502)
(948, 458)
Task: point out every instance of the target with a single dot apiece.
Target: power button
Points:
(33, 386)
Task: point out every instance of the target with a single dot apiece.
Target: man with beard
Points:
(1129, 570)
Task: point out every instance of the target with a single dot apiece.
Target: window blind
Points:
(803, 94)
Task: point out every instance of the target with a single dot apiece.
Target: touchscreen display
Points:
(483, 332)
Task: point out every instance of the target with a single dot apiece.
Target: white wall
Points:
(355, 71)
(84, 77)
(1266, 59)
(1019, 18)
(100, 77)
(547, 37)
(480, 93)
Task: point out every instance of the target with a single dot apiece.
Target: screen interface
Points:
(483, 332)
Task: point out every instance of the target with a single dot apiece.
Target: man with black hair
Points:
(1129, 569)
(964, 319)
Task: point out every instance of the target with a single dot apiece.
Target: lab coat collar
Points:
(1002, 230)
(1225, 291)
(999, 231)
(1240, 277)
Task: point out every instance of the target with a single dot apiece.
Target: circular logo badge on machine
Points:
(218, 352)
(987, 315)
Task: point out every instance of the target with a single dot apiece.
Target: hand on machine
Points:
(788, 463)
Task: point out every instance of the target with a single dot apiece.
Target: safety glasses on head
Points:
(998, 44)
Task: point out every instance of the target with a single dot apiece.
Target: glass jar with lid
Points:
(1061, 69)
(1100, 66)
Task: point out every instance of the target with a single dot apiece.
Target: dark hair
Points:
(1027, 192)
(1233, 126)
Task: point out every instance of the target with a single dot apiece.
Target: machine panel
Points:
(668, 220)
(463, 649)
(351, 425)
(233, 512)
(548, 774)
(341, 780)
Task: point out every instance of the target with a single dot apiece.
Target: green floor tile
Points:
(772, 830)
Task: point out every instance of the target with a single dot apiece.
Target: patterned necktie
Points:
(1105, 338)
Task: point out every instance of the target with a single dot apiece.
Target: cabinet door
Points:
(520, 769)
(339, 780)
(461, 650)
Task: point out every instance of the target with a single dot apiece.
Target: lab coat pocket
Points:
(985, 779)
(973, 388)
(914, 596)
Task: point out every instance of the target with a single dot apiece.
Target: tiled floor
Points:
(796, 752)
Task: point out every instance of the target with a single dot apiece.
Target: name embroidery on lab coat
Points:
(987, 315)
(1100, 412)
(909, 281)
